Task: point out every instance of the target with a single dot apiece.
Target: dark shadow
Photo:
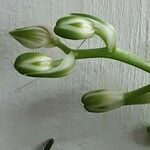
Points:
(41, 146)
(140, 136)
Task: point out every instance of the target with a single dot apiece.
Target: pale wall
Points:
(52, 107)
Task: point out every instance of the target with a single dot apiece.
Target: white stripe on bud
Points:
(74, 27)
(39, 65)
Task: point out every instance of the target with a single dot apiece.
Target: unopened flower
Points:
(102, 29)
(102, 100)
(39, 65)
(74, 27)
(35, 37)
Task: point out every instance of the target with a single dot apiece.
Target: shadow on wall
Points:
(140, 136)
(55, 106)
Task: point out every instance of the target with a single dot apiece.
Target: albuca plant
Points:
(77, 27)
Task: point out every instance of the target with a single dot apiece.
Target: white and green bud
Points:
(35, 37)
(102, 100)
(102, 29)
(74, 27)
(39, 65)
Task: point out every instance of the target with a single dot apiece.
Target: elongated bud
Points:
(74, 27)
(102, 29)
(102, 100)
(39, 65)
(35, 37)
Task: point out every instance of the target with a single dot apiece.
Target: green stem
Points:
(119, 55)
(140, 91)
(139, 96)
(64, 47)
(141, 99)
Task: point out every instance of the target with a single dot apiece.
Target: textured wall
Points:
(52, 107)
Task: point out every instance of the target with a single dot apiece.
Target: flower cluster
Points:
(77, 27)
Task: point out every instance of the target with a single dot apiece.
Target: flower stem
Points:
(119, 55)
(139, 96)
(141, 99)
(140, 91)
(64, 47)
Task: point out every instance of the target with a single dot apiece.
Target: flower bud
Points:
(102, 29)
(35, 37)
(39, 65)
(102, 100)
(74, 27)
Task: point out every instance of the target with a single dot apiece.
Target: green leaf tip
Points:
(49, 144)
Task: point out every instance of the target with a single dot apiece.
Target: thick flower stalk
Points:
(77, 27)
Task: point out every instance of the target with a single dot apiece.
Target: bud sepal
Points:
(35, 37)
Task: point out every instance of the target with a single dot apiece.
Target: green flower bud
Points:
(39, 65)
(74, 27)
(35, 37)
(102, 29)
(102, 100)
